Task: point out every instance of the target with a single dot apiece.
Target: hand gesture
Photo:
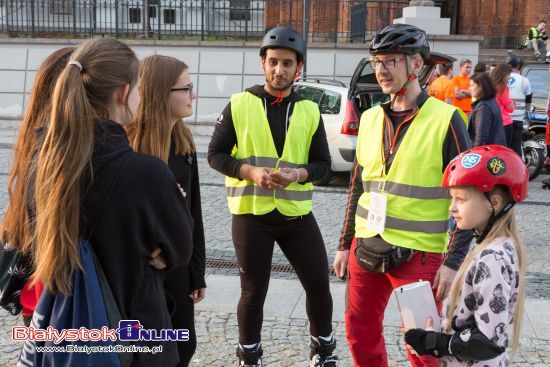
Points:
(443, 281)
(284, 176)
(197, 295)
(261, 177)
(340, 264)
(156, 260)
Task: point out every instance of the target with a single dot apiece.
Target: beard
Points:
(280, 85)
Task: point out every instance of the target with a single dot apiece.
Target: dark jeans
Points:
(301, 242)
(509, 132)
(516, 136)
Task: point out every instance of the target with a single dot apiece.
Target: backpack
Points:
(90, 304)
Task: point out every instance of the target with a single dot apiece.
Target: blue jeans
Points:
(540, 44)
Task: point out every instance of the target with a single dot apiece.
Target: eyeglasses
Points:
(388, 63)
(188, 88)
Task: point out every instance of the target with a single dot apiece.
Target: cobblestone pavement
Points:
(285, 340)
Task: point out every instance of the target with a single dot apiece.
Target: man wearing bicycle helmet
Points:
(271, 144)
(396, 209)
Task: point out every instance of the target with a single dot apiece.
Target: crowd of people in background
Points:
(494, 101)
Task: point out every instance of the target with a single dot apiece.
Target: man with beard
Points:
(271, 144)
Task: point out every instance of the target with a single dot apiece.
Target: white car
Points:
(340, 119)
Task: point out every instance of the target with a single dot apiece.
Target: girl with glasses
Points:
(158, 129)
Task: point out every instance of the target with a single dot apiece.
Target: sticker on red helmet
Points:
(470, 160)
(496, 166)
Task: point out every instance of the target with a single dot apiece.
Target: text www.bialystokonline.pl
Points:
(100, 349)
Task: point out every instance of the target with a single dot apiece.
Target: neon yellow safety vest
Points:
(536, 36)
(256, 147)
(417, 210)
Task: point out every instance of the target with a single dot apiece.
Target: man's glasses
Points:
(388, 63)
(188, 88)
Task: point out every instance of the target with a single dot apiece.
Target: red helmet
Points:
(486, 166)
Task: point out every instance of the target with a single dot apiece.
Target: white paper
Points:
(416, 304)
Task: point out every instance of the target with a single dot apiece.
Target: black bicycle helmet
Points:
(400, 39)
(284, 37)
(513, 60)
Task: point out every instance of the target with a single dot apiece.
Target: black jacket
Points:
(225, 138)
(485, 123)
(186, 171)
(146, 210)
(455, 142)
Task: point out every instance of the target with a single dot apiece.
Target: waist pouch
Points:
(378, 256)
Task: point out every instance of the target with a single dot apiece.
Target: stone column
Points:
(426, 16)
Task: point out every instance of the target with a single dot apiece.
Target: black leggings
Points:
(300, 240)
(178, 288)
(516, 136)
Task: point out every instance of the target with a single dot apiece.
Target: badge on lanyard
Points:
(376, 220)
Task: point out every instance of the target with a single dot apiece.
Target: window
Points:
(313, 94)
(134, 15)
(239, 9)
(152, 12)
(540, 82)
(377, 98)
(61, 7)
(169, 16)
(330, 103)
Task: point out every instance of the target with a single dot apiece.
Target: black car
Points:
(539, 77)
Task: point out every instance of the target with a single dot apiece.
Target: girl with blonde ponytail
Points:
(158, 129)
(84, 151)
(484, 311)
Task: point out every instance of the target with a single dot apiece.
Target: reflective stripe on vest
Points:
(256, 147)
(409, 225)
(269, 162)
(409, 191)
(417, 211)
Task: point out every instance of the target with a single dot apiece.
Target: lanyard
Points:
(386, 134)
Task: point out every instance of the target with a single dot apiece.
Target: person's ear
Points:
(418, 63)
(298, 70)
(262, 61)
(497, 201)
(122, 94)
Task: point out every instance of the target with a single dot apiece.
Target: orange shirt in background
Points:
(462, 82)
(442, 89)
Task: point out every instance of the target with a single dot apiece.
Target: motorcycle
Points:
(533, 154)
(536, 121)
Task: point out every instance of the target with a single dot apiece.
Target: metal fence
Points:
(324, 20)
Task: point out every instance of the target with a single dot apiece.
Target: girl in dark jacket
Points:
(84, 151)
(166, 98)
(485, 120)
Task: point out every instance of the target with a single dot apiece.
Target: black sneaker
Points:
(321, 353)
(546, 184)
(250, 357)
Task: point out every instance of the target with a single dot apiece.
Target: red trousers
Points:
(367, 297)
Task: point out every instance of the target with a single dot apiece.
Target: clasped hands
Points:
(268, 178)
